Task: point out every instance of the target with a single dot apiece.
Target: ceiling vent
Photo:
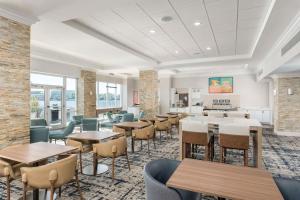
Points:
(291, 44)
(166, 18)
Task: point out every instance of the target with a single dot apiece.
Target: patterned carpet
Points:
(281, 157)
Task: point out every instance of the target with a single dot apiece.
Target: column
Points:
(148, 92)
(14, 82)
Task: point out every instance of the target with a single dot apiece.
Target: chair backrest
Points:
(38, 122)
(236, 114)
(89, 124)
(215, 114)
(109, 116)
(234, 136)
(156, 174)
(141, 115)
(128, 117)
(69, 129)
(234, 129)
(77, 119)
(289, 188)
(60, 172)
(39, 134)
(123, 112)
(119, 130)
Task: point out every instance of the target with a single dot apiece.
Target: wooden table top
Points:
(223, 180)
(33, 153)
(154, 119)
(166, 116)
(93, 135)
(134, 125)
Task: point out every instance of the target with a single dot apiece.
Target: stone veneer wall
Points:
(287, 107)
(148, 92)
(87, 93)
(14, 82)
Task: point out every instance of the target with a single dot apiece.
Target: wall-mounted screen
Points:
(220, 85)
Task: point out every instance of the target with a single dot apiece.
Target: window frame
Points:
(109, 85)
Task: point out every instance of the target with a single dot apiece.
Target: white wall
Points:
(164, 94)
(132, 85)
(252, 93)
(55, 68)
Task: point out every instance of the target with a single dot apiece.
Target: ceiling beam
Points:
(105, 38)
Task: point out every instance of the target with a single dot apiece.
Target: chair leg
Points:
(59, 191)
(246, 158)
(50, 140)
(141, 144)
(126, 154)
(206, 153)
(154, 142)
(65, 141)
(52, 189)
(225, 154)
(55, 141)
(95, 163)
(8, 187)
(148, 146)
(80, 161)
(113, 168)
(222, 154)
(160, 136)
(24, 191)
(78, 186)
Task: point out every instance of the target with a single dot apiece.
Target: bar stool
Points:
(194, 135)
(234, 137)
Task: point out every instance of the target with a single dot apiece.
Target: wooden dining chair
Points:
(146, 133)
(197, 135)
(174, 121)
(111, 149)
(51, 176)
(234, 137)
(11, 171)
(236, 114)
(163, 127)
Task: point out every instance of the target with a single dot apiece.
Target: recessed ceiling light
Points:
(152, 31)
(197, 23)
(208, 48)
(177, 52)
(246, 66)
(166, 18)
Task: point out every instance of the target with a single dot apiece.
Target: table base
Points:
(88, 170)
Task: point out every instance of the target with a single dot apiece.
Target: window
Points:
(71, 98)
(108, 95)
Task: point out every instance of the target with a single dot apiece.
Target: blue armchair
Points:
(39, 134)
(141, 115)
(77, 119)
(128, 117)
(289, 188)
(156, 174)
(62, 134)
(38, 122)
(89, 124)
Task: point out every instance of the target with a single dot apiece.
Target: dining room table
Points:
(33, 154)
(93, 137)
(166, 115)
(255, 131)
(153, 119)
(224, 180)
(129, 126)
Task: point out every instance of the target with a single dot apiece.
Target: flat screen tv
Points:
(220, 85)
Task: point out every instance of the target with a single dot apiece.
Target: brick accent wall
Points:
(14, 82)
(148, 92)
(287, 107)
(87, 93)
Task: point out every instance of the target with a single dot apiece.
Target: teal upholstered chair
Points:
(111, 121)
(39, 134)
(62, 134)
(89, 124)
(128, 117)
(123, 112)
(77, 119)
(141, 115)
(38, 122)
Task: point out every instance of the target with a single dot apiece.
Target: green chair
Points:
(38, 122)
(39, 134)
(62, 134)
(89, 124)
(128, 117)
(77, 119)
(111, 121)
(123, 112)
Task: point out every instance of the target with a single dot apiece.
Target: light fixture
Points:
(197, 23)
(246, 66)
(208, 48)
(91, 93)
(290, 91)
(152, 31)
(177, 52)
(274, 92)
